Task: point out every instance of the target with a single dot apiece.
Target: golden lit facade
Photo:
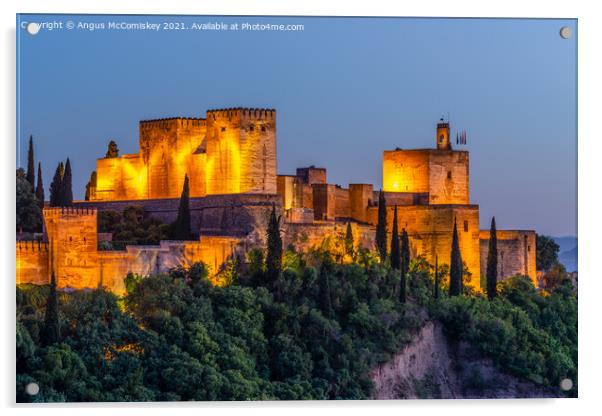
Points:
(230, 151)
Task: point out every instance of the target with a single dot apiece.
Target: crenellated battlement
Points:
(172, 122)
(31, 246)
(242, 112)
(59, 212)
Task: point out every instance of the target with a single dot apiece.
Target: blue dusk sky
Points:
(345, 89)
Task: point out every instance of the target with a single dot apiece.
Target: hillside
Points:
(432, 366)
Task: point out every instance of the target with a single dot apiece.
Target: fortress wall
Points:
(146, 260)
(406, 171)
(195, 167)
(72, 242)
(406, 198)
(165, 146)
(306, 236)
(342, 207)
(312, 175)
(241, 151)
(430, 230)
(232, 214)
(360, 196)
(285, 187)
(516, 253)
(258, 151)
(324, 200)
(32, 262)
(448, 177)
(303, 196)
(106, 171)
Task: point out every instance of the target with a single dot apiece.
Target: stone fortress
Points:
(230, 159)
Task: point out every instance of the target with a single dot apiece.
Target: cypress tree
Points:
(405, 264)
(112, 150)
(395, 250)
(455, 268)
(273, 261)
(51, 331)
(182, 228)
(66, 186)
(492, 262)
(31, 169)
(40, 187)
(436, 277)
(381, 227)
(324, 284)
(56, 186)
(349, 240)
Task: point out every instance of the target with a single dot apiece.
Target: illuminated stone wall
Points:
(214, 251)
(324, 200)
(443, 175)
(342, 207)
(430, 230)
(516, 253)
(232, 151)
(241, 151)
(72, 242)
(449, 177)
(72, 253)
(169, 149)
(306, 236)
(32, 262)
(406, 170)
(360, 197)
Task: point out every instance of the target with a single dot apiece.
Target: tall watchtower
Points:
(241, 151)
(72, 246)
(443, 142)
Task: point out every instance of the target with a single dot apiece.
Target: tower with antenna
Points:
(443, 142)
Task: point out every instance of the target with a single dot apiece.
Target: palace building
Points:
(230, 159)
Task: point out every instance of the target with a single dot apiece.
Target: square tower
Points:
(441, 173)
(72, 246)
(241, 151)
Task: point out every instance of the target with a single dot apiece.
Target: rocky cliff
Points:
(435, 367)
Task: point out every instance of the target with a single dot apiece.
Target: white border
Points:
(590, 232)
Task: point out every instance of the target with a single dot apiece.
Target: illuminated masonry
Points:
(230, 151)
(230, 159)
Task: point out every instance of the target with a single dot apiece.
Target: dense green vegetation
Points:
(314, 333)
(132, 226)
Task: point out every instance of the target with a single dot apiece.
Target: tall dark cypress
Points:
(56, 186)
(492, 262)
(51, 333)
(325, 299)
(182, 227)
(31, 169)
(381, 227)
(349, 240)
(66, 186)
(273, 261)
(40, 187)
(455, 268)
(436, 295)
(405, 264)
(395, 255)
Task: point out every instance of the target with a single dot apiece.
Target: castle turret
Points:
(443, 142)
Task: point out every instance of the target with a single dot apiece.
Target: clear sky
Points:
(345, 89)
